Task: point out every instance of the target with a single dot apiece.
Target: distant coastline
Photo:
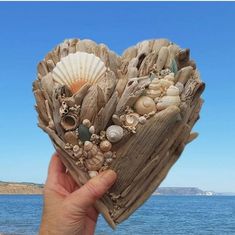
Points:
(20, 188)
(33, 188)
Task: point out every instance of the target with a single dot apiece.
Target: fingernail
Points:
(109, 176)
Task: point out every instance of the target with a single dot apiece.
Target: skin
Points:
(68, 208)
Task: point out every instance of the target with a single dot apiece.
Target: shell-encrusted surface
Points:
(76, 69)
(133, 114)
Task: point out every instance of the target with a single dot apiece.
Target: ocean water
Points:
(164, 215)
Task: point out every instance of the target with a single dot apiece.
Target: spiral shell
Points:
(172, 91)
(145, 105)
(153, 93)
(114, 133)
(165, 83)
(105, 146)
(95, 163)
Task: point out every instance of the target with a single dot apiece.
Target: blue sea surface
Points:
(164, 215)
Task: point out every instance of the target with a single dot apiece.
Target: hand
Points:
(68, 209)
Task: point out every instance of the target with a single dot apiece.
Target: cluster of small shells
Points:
(102, 96)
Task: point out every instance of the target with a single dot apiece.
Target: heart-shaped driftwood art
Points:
(132, 113)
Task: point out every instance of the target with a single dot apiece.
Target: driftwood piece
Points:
(56, 114)
(107, 84)
(105, 113)
(41, 107)
(79, 95)
(89, 105)
(136, 148)
(132, 92)
(121, 84)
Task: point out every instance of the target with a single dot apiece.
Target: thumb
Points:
(85, 197)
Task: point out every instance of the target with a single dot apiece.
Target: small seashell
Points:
(142, 120)
(167, 101)
(155, 86)
(94, 150)
(70, 137)
(64, 109)
(173, 91)
(76, 148)
(93, 173)
(79, 153)
(131, 119)
(84, 133)
(116, 120)
(165, 83)
(108, 154)
(88, 146)
(170, 77)
(86, 123)
(69, 122)
(109, 160)
(92, 129)
(155, 81)
(105, 145)
(95, 163)
(77, 69)
(180, 86)
(153, 93)
(114, 133)
(144, 105)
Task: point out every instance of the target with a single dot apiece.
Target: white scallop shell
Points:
(114, 133)
(78, 68)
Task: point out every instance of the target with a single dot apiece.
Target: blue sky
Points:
(30, 30)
